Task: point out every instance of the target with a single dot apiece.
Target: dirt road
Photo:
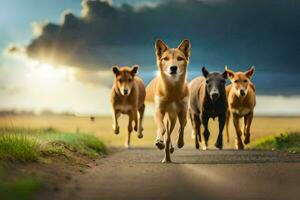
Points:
(227, 174)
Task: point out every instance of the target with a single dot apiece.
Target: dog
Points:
(241, 102)
(169, 91)
(208, 100)
(128, 97)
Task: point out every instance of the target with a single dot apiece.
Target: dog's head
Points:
(240, 80)
(215, 83)
(172, 62)
(124, 77)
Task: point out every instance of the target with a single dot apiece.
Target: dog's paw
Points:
(140, 135)
(166, 160)
(126, 145)
(160, 144)
(247, 139)
(180, 143)
(205, 147)
(197, 145)
(239, 145)
(116, 130)
(219, 146)
(172, 149)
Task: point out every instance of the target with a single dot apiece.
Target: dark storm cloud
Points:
(262, 33)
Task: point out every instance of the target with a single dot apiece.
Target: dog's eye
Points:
(130, 79)
(166, 58)
(245, 81)
(236, 81)
(120, 80)
(180, 58)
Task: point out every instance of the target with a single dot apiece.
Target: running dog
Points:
(169, 91)
(208, 100)
(241, 102)
(127, 97)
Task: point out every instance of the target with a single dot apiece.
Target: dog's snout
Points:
(242, 92)
(173, 69)
(214, 95)
(125, 91)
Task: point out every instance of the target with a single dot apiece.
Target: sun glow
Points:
(48, 75)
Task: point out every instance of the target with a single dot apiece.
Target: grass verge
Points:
(32, 145)
(285, 141)
(19, 144)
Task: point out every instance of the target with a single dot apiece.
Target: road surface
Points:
(228, 174)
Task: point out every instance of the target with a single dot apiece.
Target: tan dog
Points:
(169, 92)
(241, 102)
(127, 97)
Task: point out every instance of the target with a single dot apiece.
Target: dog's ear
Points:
(205, 72)
(160, 47)
(185, 47)
(115, 69)
(134, 69)
(230, 73)
(250, 72)
(224, 74)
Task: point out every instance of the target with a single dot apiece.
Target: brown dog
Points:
(241, 102)
(169, 92)
(127, 97)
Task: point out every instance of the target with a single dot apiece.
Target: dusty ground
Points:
(229, 174)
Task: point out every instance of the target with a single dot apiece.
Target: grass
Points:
(285, 141)
(21, 144)
(18, 189)
(31, 145)
(18, 147)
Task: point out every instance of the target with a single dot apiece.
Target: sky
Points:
(57, 54)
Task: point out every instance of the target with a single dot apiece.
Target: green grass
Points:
(285, 141)
(18, 147)
(18, 189)
(19, 144)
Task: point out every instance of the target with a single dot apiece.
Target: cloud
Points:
(233, 32)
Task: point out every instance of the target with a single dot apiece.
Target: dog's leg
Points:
(116, 114)
(192, 122)
(167, 158)
(195, 120)
(238, 140)
(182, 121)
(127, 141)
(219, 142)
(248, 121)
(227, 125)
(135, 119)
(172, 119)
(141, 116)
(159, 117)
(206, 132)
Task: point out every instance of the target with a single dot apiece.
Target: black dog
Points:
(208, 100)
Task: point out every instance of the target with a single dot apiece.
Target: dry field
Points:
(101, 127)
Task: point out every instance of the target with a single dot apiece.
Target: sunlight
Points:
(47, 74)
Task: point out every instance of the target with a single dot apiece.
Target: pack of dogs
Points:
(204, 97)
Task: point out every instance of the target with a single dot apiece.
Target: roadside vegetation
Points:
(20, 146)
(289, 141)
